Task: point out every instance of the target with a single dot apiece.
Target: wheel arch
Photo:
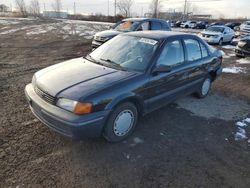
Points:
(136, 100)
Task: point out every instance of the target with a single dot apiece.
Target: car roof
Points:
(157, 35)
(143, 19)
(222, 26)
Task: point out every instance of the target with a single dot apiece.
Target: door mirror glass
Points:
(162, 68)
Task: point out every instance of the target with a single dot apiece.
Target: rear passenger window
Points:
(193, 49)
(156, 25)
(204, 50)
(172, 54)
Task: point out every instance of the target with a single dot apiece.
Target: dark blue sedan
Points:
(132, 74)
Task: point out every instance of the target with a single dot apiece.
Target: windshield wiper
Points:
(113, 64)
(90, 58)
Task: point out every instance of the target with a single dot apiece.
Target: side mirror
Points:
(162, 68)
(109, 27)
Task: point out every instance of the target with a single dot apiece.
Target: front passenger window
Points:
(172, 54)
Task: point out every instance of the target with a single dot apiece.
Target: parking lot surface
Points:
(189, 143)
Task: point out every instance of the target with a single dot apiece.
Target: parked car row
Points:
(205, 24)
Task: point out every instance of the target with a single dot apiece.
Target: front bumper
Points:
(211, 40)
(64, 122)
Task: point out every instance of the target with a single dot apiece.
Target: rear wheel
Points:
(204, 87)
(121, 122)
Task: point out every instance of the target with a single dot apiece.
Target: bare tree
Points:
(21, 7)
(57, 6)
(155, 7)
(124, 7)
(35, 8)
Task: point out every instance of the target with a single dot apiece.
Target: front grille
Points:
(45, 96)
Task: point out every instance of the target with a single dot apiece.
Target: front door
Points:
(164, 87)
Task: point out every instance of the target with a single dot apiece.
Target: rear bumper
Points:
(64, 122)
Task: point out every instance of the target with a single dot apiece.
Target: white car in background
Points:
(188, 24)
(245, 28)
(217, 34)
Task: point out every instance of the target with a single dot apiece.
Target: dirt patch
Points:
(216, 106)
(170, 147)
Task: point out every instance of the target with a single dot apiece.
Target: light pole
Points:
(108, 7)
(185, 7)
(115, 9)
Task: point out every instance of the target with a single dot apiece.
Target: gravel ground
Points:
(190, 143)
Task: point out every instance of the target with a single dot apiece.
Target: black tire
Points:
(109, 129)
(231, 41)
(221, 42)
(200, 94)
(186, 26)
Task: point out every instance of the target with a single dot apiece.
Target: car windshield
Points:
(125, 26)
(125, 52)
(216, 29)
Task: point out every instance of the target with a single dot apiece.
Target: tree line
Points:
(124, 7)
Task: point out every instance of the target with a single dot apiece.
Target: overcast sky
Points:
(226, 8)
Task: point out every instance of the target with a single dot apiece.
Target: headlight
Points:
(242, 43)
(74, 106)
(33, 80)
(200, 35)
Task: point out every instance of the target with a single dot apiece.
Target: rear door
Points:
(198, 61)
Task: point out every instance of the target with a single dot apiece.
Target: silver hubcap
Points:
(205, 86)
(123, 122)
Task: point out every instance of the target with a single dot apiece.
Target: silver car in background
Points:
(218, 34)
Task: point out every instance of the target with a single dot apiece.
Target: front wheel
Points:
(221, 42)
(121, 122)
(204, 88)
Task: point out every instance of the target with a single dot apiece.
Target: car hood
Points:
(211, 33)
(77, 78)
(108, 33)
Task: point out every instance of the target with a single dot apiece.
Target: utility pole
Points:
(185, 8)
(74, 8)
(115, 8)
(108, 7)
